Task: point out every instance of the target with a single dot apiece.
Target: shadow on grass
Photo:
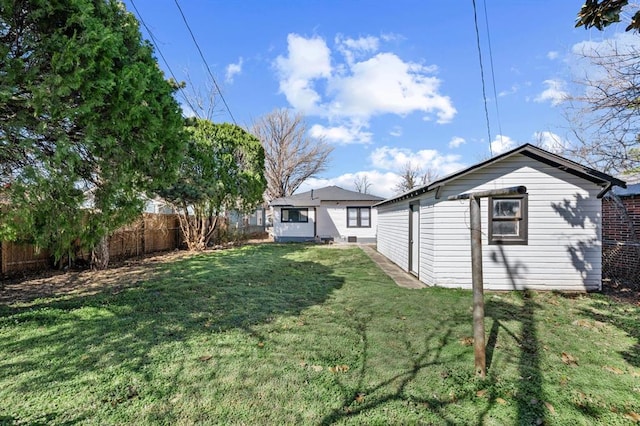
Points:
(420, 354)
(530, 396)
(622, 316)
(58, 340)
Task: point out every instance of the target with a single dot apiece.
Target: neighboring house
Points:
(251, 222)
(327, 214)
(548, 238)
(621, 232)
(157, 205)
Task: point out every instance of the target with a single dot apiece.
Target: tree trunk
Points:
(100, 254)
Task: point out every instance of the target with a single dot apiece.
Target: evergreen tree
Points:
(87, 122)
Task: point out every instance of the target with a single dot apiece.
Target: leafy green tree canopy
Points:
(602, 13)
(87, 121)
(223, 169)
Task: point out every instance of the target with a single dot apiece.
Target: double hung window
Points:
(358, 217)
(508, 220)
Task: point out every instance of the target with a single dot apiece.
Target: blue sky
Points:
(385, 82)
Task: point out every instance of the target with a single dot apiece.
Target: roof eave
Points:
(529, 150)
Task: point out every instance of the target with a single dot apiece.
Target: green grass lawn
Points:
(294, 334)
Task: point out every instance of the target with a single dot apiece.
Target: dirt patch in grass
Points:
(622, 291)
(87, 282)
(119, 275)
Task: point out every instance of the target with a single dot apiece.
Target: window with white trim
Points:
(358, 217)
(295, 215)
(508, 220)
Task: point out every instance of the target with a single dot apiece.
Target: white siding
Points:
(292, 229)
(332, 221)
(393, 233)
(564, 231)
(563, 250)
(427, 240)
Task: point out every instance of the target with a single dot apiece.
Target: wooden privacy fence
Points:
(151, 233)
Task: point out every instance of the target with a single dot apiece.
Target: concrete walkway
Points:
(402, 278)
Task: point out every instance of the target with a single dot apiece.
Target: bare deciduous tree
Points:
(201, 99)
(604, 115)
(291, 155)
(412, 176)
(362, 184)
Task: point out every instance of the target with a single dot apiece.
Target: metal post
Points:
(478, 292)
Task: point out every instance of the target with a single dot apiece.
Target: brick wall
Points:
(621, 238)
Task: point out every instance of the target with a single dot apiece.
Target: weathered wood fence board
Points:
(152, 233)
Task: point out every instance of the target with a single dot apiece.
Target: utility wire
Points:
(184, 18)
(166, 63)
(484, 91)
(493, 76)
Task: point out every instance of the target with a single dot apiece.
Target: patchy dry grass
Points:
(290, 334)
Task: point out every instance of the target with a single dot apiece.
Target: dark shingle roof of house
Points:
(633, 186)
(629, 191)
(329, 193)
(531, 151)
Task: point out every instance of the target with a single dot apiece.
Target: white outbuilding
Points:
(548, 238)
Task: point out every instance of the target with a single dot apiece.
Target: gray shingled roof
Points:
(329, 193)
(633, 189)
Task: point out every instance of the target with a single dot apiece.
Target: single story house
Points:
(328, 214)
(547, 238)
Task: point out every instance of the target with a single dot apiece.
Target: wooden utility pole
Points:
(479, 348)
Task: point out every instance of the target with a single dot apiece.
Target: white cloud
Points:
(355, 48)
(502, 144)
(396, 131)
(361, 88)
(233, 70)
(511, 91)
(622, 45)
(384, 84)
(456, 142)
(554, 92)
(391, 37)
(620, 42)
(550, 141)
(308, 59)
(553, 55)
(382, 184)
(394, 159)
(341, 134)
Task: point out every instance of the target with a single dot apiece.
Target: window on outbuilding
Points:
(508, 220)
(358, 217)
(295, 215)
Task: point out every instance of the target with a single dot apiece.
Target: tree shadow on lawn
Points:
(620, 315)
(53, 341)
(421, 355)
(530, 396)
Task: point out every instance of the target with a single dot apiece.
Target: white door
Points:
(414, 239)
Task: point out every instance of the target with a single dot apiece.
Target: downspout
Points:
(606, 189)
(315, 221)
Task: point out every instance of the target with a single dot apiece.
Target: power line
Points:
(484, 92)
(166, 63)
(184, 18)
(493, 76)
